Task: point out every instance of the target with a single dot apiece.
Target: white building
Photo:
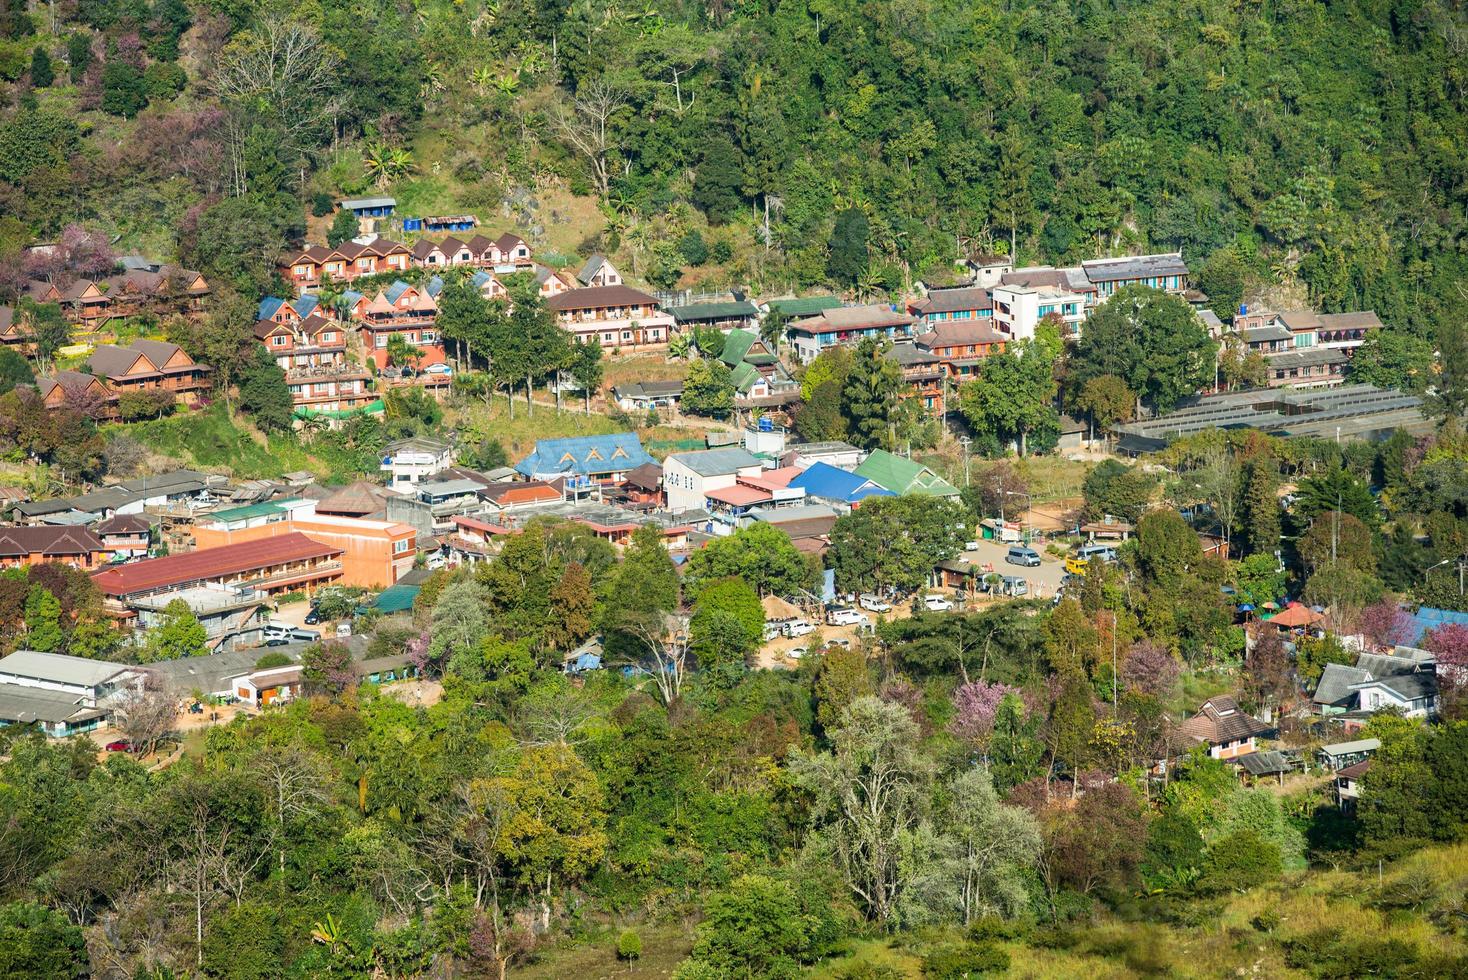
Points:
(408, 462)
(63, 695)
(1019, 309)
(688, 477)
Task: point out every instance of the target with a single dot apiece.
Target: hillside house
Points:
(373, 554)
(726, 316)
(126, 536)
(599, 271)
(689, 478)
(961, 346)
(846, 325)
(408, 312)
(924, 374)
(407, 462)
(640, 396)
(613, 316)
(755, 369)
(1167, 272)
(349, 261)
(1018, 309)
(313, 354)
(368, 207)
(150, 365)
(46, 544)
(840, 489)
(1220, 724)
(64, 695)
(84, 393)
(13, 333)
(903, 476)
(953, 303)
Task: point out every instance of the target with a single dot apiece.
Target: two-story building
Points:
(613, 316)
(287, 563)
(408, 312)
(84, 393)
(960, 347)
(846, 325)
(1222, 726)
(352, 260)
(599, 271)
(508, 252)
(953, 303)
(150, 365)
(46, 544)
(61, 695)
(688, 478)
(312, 352)
(1167, 272)
(1018, 309)
(408, 462)
(597, 459)
(373, 554)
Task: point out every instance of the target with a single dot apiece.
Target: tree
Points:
(1119, 490)
(1149, 339)
(78, 55)
(400, 352)
(1449, 395)
(145, 715)
(458, 626)
(759, 554)
(343, 228)
(1260, 508)
(848, 247)
(1219, 479)
(1013, 394)
(727, 625)
(1098, 843)
(1166, 547)
(975, 705)
(1393, 359)
(327, 666)
(1108, 401)
(264, 395)
(49, 330)
(587, 126)
(557, 813)
(708, 389)
(761, 926)
(870, 394)
(1259, 578)
(123, 92)
(574, 604)
(37, 943)
(1337, 490)
(14, 370)
(1222, 278)
(894, 542)
(1449, 643)
(717, 181)
(43, 621)
(42, 74)
(820, 419)
(587, 369)
(993, 847)
(181, 635)
(1334, 537)
(868, 795)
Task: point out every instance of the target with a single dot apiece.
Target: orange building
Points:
(374, 554)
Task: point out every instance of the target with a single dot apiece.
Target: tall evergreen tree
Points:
(42, 74)
(848, 258)
(870, 394)
(1261, 508)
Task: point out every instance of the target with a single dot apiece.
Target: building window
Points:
(399, 547)
(379, 340)
(279, 340)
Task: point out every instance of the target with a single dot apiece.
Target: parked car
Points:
(839, 641)
(845, 616)
(1020, 555)
(1015, 586)
(771, 631)
(313, 618)
(937, 603)
(875, 603)
(798, 627)
(121, 745)
(970, 546)
(795, 653)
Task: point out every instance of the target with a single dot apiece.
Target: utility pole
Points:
(964, 442)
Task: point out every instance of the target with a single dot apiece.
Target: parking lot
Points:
(1043, 579)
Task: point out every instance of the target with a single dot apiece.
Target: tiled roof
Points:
(712, 311)
(954, 333)
(18, 542)
(1135, 267)
(868, 317)
(599, 297)
(585, 455)
(194, 566)
(953, 300)
(714, 462)
(803, 305)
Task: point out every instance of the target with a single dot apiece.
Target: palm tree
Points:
(386, 164)
(329, 933)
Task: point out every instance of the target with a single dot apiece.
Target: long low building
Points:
(62, 695)
(1347, 412)
(286, 563)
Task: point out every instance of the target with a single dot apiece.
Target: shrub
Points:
(629, 945)
(721, 251)
(693, 248)
(321, 204)
(963, 962)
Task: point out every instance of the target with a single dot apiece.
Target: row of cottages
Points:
(617, 317)
(755, 369)
(111, 371)
(1302, 348)
(153, 289)
(507, 253)
(315, 264)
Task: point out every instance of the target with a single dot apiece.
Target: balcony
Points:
(290, 576)
(326, 372)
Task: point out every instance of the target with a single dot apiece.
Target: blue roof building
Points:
(1428, 618)
(598, 458)
(396, 290)
(269, 306)
(825, 482)
(307, 304)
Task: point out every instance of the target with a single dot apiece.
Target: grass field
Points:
(208, 440)
(518, 435)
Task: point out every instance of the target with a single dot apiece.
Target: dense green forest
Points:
(1294, 144)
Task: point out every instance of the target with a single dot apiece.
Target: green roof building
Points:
(903, 476)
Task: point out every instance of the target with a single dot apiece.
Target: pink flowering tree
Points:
(1449, 643)
(87, 252)
(974, 705)
(1385, 624)
(1149, 668)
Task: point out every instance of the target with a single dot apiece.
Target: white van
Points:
(798, 627)
(875, 603)
(1105, 552)
(845, 616)
(937, 603)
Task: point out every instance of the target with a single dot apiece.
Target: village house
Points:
(1167, 272)
(349, 261)
(953, 303)
(903, 476)
(846, 325)
(839, 489)
(842, 455)
(643, 486)
(599, 271)
(924, 373)
(640, 396)
(508, 253)
(408, 312)
(756, 371)
(725, 316)
(62, 695)
(1018, 310)
(598, 459)
(125, 536)
(471, 541)
(84, 393)
(150, 365)
(288, 563)
(410, 461)
(960, 347)
(1222, 726)
(14, 334)
(985, 271)
(45, 544)
(614, 316)
(313, 354)
(688, 478)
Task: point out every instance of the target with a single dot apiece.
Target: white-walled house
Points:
(408, 462)
(688, 477)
